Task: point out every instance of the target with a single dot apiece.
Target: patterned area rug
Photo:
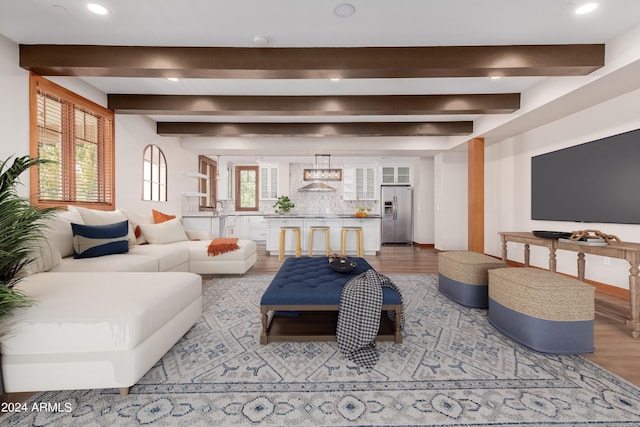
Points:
(453, 369)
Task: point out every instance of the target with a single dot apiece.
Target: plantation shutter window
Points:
(77, 135)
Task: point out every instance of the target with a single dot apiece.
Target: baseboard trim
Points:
(424, 245)
(601, 287)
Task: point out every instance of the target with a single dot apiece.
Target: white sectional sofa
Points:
(96, 330)
(104, 321)
(160, 247)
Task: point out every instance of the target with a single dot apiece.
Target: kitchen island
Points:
(370, 229)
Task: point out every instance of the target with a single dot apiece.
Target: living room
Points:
(555, 113)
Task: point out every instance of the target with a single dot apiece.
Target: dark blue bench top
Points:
(312, 281)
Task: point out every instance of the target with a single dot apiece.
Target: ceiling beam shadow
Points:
(388, 105)
(186, 129)
(306, 63)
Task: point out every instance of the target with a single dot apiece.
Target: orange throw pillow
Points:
(159, 217)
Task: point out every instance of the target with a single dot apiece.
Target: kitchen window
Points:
(77, 135)
(247, 186)
(208, 186)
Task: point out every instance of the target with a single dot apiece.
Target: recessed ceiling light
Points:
(344, 10)
(173, 79)
(496, 77)
(586, 8)
(335, 79)
(98, 9)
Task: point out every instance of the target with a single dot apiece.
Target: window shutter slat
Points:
(78, 136)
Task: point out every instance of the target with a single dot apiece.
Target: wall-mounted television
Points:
(598, 181)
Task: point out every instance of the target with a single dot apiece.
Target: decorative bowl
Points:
(343, 265)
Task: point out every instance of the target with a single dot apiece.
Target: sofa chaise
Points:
(104, 321)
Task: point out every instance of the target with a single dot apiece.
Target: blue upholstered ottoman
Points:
(307, 290)
(463, 276)
(545, 311)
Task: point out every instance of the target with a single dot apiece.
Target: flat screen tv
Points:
(598, 181)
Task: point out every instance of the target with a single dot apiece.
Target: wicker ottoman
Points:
(463, 276)
(545, 311)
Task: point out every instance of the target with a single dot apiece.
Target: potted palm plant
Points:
(21, 226)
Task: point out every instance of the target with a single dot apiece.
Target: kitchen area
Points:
(351, 193)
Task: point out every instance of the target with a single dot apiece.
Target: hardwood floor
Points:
(615, 349)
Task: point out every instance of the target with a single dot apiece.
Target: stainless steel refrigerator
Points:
(397, 214)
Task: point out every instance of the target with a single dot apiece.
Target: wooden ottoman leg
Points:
(398, 325)
(264, 338)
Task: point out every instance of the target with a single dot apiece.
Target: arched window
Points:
(154, 184)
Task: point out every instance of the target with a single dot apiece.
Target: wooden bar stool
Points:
(327, 246)
(359, 244)
(283, 232)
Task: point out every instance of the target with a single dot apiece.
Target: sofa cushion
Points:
(44, 256)
(88, 312)
(170, 257)
(165, 232)
(58, 230)
(97, 240)
(118, 262)
(98, 217)
(135, 219)
(234, 262)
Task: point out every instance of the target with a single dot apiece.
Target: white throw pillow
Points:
(165, 232)
(135, 219)
(44, 257)
(58, 230)
(97, 217)
(199, 234)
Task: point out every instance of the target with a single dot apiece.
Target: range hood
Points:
(317, 186)
(316, 174)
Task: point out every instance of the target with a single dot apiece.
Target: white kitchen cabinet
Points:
(231, 227)
(396, 175)
(253, 227)
(202, 223)
(268, 182)
(360, 183)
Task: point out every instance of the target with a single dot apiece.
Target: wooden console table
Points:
(624, 250)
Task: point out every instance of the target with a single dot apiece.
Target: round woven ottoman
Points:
(545, 311)
(462, 276)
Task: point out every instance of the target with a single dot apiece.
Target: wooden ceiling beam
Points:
(305, 63)
(213, 105)
(359, 129)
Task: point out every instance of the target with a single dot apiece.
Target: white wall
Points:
(508, 186)
(423, 202)
(132, 134)
(14, 107)
(450, 196)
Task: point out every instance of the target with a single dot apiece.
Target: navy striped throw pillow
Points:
(97, 240)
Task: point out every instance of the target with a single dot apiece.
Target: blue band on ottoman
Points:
(463, 293)
(97, 240)
(542, 335)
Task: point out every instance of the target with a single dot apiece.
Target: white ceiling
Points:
(312, 23)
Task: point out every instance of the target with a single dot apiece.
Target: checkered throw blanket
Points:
(359, 317)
